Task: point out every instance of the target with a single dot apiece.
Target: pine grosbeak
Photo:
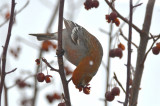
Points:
(81, 48)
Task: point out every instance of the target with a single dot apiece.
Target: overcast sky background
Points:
(34, 19)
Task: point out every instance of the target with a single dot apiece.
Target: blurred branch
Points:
(16, 13)
(55, 10)
(23, 7)
(5, 95)
(20, 81)
(5, 48)
(36, 89)
(28, 43)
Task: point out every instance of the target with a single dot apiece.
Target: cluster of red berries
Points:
(110, 95)
(22, 84)
(15, 51)
(41, 77)
(88, 4)
(156, 49)
(85, 89)
(117, 52)
(53, 97)
(113, 17)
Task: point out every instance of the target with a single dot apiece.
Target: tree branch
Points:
(45, 61)
(122, 18)
(5, 48)
(129, 53)
(59, 55)
(115, 77)
(141, 53)
(16, 13)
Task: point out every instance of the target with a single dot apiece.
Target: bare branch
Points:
(59, 55)
(129, 53)
(115, 77)
(137, 5)
(21, 81)
(16, 13)
(149, 50)
(4, 54)
(141, 53)
(121, 33)
(121, 17)
(45, 61)
(11, 71)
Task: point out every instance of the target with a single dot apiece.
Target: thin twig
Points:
(11, 71)
(45, 61)
(121, 33)
(149, 50)
(53, 17)
(23, 7)
(115, 77)
(69, 80)
(137, 5)
(154, 36)
(4, 54)
(129, 54)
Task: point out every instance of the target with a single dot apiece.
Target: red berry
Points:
(155, 50)
(50, 98)
(40, 77)
(95, 3)
(109, 96)
(118, 52)
(120, 45)
(56, 96)
(116, 21)
(47, 78)
(115, 91)
(112, 53)
(62, 104)
(37, 61)
(108, 18)
(158, 45)
(113, 15)
(88, 4)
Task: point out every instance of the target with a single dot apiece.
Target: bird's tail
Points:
(46, 36)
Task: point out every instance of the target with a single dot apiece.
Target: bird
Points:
(81, 48)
